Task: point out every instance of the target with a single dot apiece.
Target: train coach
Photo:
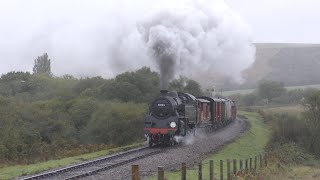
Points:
(172, 115)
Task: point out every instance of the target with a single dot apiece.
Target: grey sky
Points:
(285, 21)
(76, 34)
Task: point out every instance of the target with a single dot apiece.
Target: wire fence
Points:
(230, 169)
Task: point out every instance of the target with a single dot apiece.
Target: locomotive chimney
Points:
(164, 91)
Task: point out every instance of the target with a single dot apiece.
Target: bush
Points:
(116, 123)
(288, 128)
(312, 117)
(289, 153)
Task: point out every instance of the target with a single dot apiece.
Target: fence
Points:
(232, 171)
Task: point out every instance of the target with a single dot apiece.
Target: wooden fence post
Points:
(255, 164)
(160, 173)
(184, 171)
(221, 169)
(200, 171)
(211, 169)
(246, 168)
(135, 172)
(228, 170)
(241, 166)
(235, 167)
(265, 161)
(250, 164)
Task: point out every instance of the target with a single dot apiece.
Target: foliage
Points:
(116, 123)
(289, 153)
(312, 117)
(13, 83)
(184, 84)
(139, 86)
(293, 139)
(270, 89)
(288, 128)
(271, 93)
(46, 117)
(42, 65)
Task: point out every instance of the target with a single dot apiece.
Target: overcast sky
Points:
(285, 21)
(30, 28)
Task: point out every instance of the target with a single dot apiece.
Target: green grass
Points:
(247, 91)
(316, 86)
(292, 110)
(252, 143)
(240, 91)
(21, 170)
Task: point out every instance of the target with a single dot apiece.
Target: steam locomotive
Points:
(173, 115)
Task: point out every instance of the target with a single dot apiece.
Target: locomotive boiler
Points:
(170, 116)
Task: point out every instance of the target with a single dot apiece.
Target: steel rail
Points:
(111, 166)
(84, 164)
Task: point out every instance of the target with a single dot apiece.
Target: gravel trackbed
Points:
(191, 151)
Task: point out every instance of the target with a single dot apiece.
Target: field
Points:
(240, 91)
(293, 110)
(247, 91)
(22, 170)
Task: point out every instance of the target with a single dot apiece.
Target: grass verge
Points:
(248, 91)
(288, 154)
(252, 143)
(22, 170)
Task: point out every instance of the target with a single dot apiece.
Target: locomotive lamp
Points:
(173, 124)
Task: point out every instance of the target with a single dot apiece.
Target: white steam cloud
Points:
(192, 138)
(199, 37)
(195, 38)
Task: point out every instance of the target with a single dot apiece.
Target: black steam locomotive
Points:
(174, 114)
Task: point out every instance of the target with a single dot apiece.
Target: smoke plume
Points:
(199, 39)
(195, 40)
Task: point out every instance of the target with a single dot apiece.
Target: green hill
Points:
(293, 64)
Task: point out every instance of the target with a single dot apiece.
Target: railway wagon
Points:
(203, 112)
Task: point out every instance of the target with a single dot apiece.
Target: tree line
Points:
(43, 116)
(272, 93)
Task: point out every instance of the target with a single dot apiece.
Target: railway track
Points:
(95, 166)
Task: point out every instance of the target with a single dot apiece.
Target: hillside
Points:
(293, 64)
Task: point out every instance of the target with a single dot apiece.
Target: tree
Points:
(116, 123)
(42, 65)
(184, 84)
(312, 117)
(178, 84)
(193, 87)
(81, 111)
(14, 82)
(138, 86)
(271, 89)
